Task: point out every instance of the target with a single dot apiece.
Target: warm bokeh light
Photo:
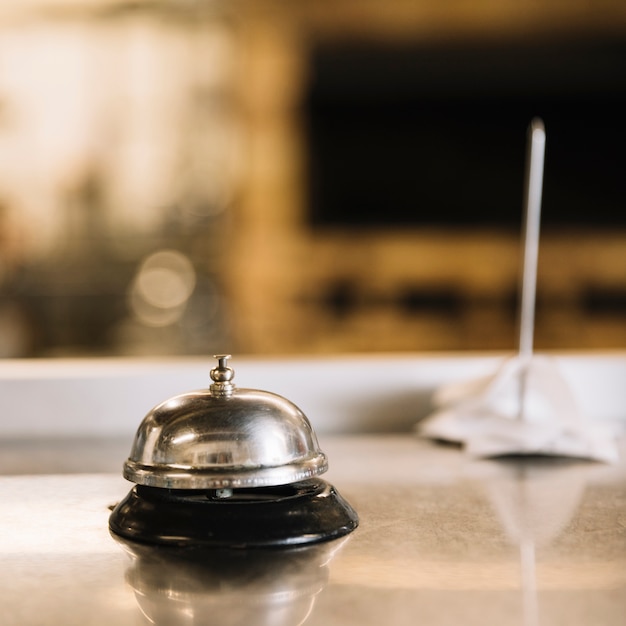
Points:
(163, 285)
(338, 182)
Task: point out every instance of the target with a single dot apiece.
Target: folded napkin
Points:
(526, 408)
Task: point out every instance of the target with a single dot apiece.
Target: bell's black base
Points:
(299, 514)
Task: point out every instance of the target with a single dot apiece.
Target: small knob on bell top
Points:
(221, 376)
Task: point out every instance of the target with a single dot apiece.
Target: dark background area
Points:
(408, 134)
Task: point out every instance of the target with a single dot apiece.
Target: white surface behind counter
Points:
(339, 394)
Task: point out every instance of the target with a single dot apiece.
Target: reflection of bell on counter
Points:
(229, 467)
(228, 587)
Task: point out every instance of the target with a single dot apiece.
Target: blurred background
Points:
(190, 177)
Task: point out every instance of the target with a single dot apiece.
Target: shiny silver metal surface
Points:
(224, 438)
(444, 540)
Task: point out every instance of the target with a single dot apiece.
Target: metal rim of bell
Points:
(189, 478)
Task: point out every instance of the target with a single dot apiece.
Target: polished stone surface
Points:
(443, 540)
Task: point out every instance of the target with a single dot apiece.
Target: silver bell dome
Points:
(224, 438)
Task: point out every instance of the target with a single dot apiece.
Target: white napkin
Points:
(527, 408)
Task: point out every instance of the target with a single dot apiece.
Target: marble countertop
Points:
(443, 539)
